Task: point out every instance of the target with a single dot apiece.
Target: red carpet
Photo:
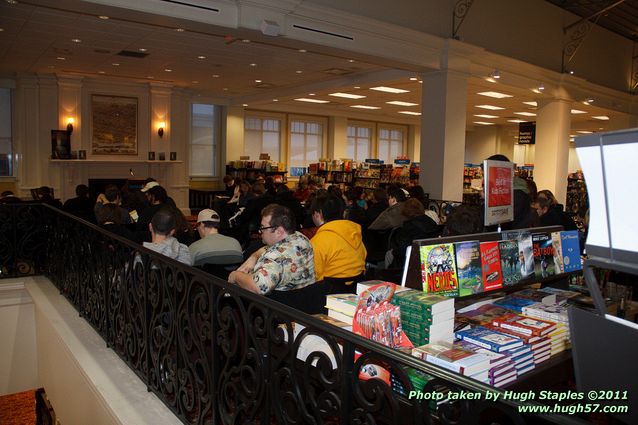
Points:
(18, 409)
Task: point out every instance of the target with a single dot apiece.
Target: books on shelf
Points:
(525, 325)
(438, 270)
(491, 266)
(510, 262)
(491, 340)
(343, 303)
(570, 251)
(525, 251)
(543, 255)
(453, 357)
(468, 267)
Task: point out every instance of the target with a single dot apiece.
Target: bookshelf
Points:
(249, 170)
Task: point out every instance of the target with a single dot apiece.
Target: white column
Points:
(160, 99)
(178, 173)
(26, 134)
(233, 136)
(70, 106)
(552, 146)
(337, 138)
(47, 121)
(444, 99)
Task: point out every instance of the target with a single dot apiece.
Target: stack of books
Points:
(556, 313)
(426, 318)
(501, 370)
(456, 358)
(342, 306)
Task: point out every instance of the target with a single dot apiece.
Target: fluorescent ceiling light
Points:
(365, 107)
(516, 121)
(601, 117)
(536, 91)
(584, 131)
(399, 103)
(483, 123)
(532, 103)
(305, 99)
(494, 94)
(389, 89)
(526, 114)
(347, 95)
(490, 107)
(485, 116)
(578, 111)
(410, 113)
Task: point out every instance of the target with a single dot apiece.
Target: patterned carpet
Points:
(18, 409)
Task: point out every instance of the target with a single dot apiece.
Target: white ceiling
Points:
(37, 37)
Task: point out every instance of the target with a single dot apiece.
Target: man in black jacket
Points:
(552, 214)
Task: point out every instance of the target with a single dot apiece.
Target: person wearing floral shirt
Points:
(285, 263)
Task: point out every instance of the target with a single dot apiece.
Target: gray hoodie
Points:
(171, 247)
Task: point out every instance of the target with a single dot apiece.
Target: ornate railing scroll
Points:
(22, 239)
(216, 354)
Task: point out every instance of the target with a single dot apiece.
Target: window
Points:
(390, 143)
(359, 142)
(306, 142)
(262, 135)
(6, 144)
(204, 140)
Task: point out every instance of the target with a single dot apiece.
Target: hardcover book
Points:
(558, 258)
(525, 251)
(343, 303)
(570, 251)
(457, 359)
(438, 270)
(510, 262)
(525, 325)
(515, 304)
(491, 340)
(484, 314)
(468, 267)
(491, 266)
(543, 255)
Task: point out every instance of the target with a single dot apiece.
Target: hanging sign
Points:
(527, 133)
(499, 191)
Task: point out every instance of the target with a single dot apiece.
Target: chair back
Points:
(310, 299)
(343, 285)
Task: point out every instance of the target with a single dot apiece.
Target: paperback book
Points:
(526, 325)
(525, 251)
(491, 266)
(510, 262)
(570, 250)
(438, 270)
(455, 358)
(491, 340)
(468, 267)
(543, 255)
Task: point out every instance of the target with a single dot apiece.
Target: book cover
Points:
(510, 262)
(491, 340)
(491, 266)
(543, 255)
(438, 270)
(484, 313)
(468, 267)
(455, 358)
(537, 295)
(558, 257)
(525, 251)
(570, 244)
(526, 325)
(343, 303)
(514, 303)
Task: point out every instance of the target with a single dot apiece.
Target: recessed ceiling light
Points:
(311, 94)
(201, 57)
(347, 95)
(526, 114)
(485, 116)
(516, 121)
(150, 77)
(537, 91)
(532, 103)
(101, 72)
(244, 104)
(490, 107)
(258, 81)
(168, 70)
(195, 82)
(61, 58)
(601, 117)
(483, 123)
(399, 103)
(577, 111)
(420, 81)
(253, 64)
(357, 87)
(215, 75)
(351, 60)
(225, 89)
(299, 71)
(364, 107)
(494, 94)
(142, 49)
(76, 40)
(1, 29)
(413, 78)
(490, 79)
(389, 89)
(179, 29)
(245, 40)
(305, 99)
(275, 100)
(584, 131)
(410, 112)
(12, 2)
(115, 64)
(302, 50)
(103, 17)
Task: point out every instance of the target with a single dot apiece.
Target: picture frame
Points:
(113, 125)
(82, 154)
(162, 156)
(60, 144)
(151, 156)
(173, 156)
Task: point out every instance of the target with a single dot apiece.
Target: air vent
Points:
(318, 31)
(132, 54)
(336, 71)
(198, 6)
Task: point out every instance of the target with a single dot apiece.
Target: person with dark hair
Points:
(162, 228)
(417, 192)
(156, 196)
(213, 248)
(229, 185)
(417, 225)
(285, 263)
(464, 220)
(551, 213)
(8, 197)
(378, 203)
(109, 218)
(354, 211)
(338, 245)
(81, 206)
(391, 217)
(286, 198)
(523, 213)
(112, 195)
(44, 196)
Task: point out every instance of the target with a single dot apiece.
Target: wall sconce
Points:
(160, 129)
(69, 125)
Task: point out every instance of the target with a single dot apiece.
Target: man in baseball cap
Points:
(149, 185)
(214, 248)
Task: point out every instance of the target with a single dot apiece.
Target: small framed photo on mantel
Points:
(151, 156)
(173, 156)
(162, 156)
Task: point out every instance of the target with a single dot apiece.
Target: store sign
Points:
(527, 133)
(499, 192)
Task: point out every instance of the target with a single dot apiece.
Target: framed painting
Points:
(113, 125)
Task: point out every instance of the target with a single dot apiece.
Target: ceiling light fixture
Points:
(541, 87)
(302, 50)
(61, 58)
(76, 40)
(299, 71)
(215, 75)
(526, 114)
(168, 70)
(244, 104)
(400, 103)
(258, 81)
(245, 40)
(201, 57)
(410, 113)
(305, 99)
(364, 107)
(516, 121)
(275, 100)
(389, 89)
(483, 123)
(103, 17)
(494, 94)
(496, 74)
(584, 131)
(577, 111)
(179, 29)
(347, 95)
(142, 49)
(589, 100)
(253, 64)
(486, 116)
(413, 78)
(490, 107)
(601, 117)
(533, 103)
(351, 60)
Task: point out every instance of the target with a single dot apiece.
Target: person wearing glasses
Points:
(285, 263)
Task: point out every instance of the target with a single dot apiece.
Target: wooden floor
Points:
(18, 409)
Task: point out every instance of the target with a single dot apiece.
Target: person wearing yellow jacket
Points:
(338, 246)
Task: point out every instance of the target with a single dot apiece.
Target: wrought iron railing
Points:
(216, 354)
